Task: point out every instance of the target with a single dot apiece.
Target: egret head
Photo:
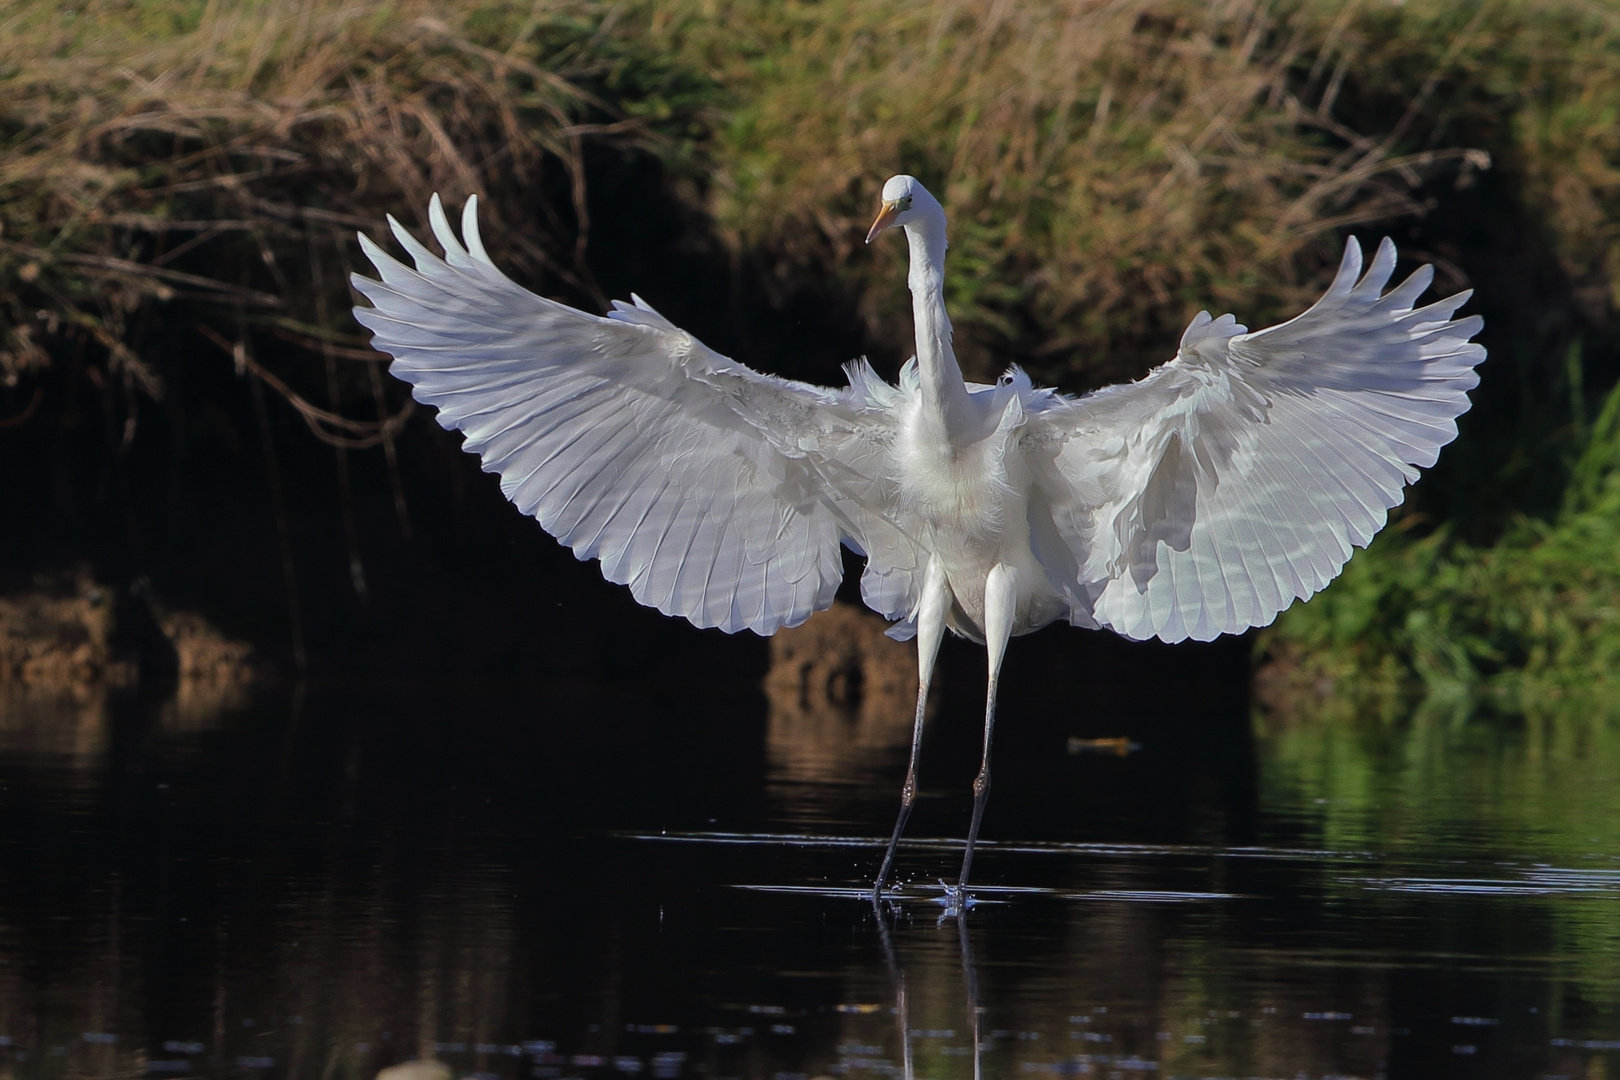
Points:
(905, 202)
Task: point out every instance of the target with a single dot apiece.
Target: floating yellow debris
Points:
(1119, 744)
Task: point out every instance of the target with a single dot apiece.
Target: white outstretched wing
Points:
(712, 491)
(1235, 479)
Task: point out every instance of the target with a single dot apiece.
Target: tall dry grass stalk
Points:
(153, 150)
(1109, 165)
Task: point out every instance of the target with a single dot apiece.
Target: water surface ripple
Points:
(548, 881)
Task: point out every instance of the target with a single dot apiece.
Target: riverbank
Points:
(184, 397)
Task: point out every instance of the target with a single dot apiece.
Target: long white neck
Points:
(945, 395)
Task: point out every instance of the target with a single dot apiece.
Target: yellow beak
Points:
(885, 219)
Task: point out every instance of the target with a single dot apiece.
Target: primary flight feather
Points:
(1200, 500)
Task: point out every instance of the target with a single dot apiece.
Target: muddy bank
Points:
(76, 654)
(72, 632)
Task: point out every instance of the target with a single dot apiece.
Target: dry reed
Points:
(209, 153)
(1110, 167)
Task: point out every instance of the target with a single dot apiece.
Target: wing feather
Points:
(1239, 477)
(712, 491)
(631, 544)
(631, 483)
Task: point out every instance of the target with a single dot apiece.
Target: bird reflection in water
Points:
(902, 997)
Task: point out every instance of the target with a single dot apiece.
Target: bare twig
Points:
(28, 410)
(355, 434)
(139, 271)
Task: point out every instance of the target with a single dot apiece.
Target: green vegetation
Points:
(1110, 169)
(1529, 625)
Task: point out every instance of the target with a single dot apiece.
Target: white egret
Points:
(1200, 500)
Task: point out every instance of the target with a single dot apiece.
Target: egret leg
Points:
(1000, 603)
(936, 601)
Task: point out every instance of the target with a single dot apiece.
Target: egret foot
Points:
(956, 900)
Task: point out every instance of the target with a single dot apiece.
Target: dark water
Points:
(616, 879)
